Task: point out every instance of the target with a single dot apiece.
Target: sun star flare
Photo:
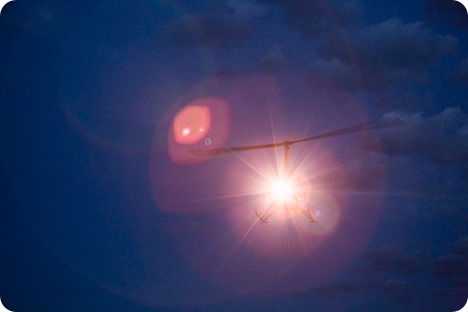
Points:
(281, 189)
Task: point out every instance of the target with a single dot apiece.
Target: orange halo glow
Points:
(201, 123)
(191, 124)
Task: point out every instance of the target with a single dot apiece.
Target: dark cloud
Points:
(43, 20)
(453, 265)
(220, 22)
(245, 9)
(336, 72)
(380, 58)
(275, 62)
(388, 271)
(400, 98)
(446, 13)
(392, 259)
(375, 57)
(461, 72)
(352, 77)
(399, 275)
(414, 176)
(393, 44)
(205, 30)
(314, 18)
(396, 289)
(442, 138)
(389, 53)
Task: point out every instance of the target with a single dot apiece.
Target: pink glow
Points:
(228, 245)
(289, 231)
(191, 124)
(202, 123)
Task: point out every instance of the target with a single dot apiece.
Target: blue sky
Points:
(104, 209)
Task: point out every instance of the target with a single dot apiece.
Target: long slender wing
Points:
(226, 150)
(368, 126)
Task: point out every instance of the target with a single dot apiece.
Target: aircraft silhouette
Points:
(264, 215)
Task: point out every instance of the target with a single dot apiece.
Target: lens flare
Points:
(191, 124)
(281, 190)
(200, 123)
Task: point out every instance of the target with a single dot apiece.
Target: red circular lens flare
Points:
(191, 124)
(201, 123)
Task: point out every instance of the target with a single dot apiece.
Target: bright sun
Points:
(281, 190)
